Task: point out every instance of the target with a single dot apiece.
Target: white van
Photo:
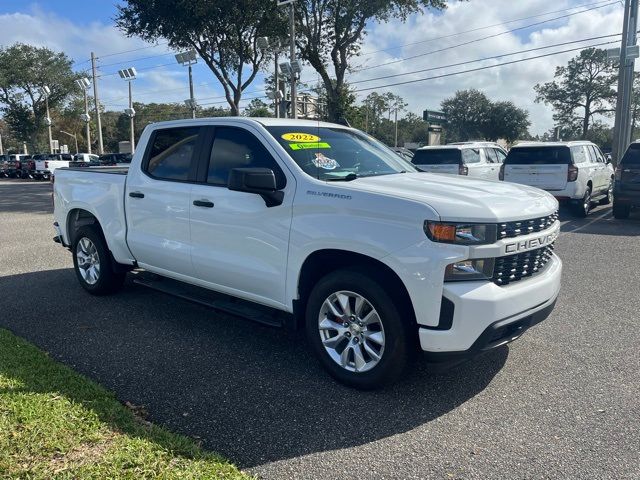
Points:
(574, 172)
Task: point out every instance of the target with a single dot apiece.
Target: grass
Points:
(55, 423)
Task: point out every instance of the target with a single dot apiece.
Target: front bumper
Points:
(484, 310)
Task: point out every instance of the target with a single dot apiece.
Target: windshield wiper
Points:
(346, 178)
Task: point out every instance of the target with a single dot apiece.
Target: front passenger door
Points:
(239, 245)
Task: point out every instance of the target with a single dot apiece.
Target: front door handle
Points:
(203, 203)
(136, 194)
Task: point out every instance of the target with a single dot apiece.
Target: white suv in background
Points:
(478, 160)
(573, 172)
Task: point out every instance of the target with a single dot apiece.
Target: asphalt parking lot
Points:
(561, 402)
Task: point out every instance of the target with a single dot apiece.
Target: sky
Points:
(431, 42)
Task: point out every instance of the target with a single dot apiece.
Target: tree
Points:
(24, 70)
(507, 121)
(257, 108)
(467, 114)
(581, 90)
(223, 32)
(334, 29)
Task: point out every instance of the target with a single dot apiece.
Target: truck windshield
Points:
(329, 153)
(538, 156)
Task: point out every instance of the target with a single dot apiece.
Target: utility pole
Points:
(396, 122)
(97, 103)
(193, 100)
(277, 80)
(628, 54)
(131, 116)
(1, 149)
(46, 91)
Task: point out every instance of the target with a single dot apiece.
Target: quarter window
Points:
(579, 155)
(491, 155)
(237, 148)
(471, 155)
(501, 155)
(172, 153)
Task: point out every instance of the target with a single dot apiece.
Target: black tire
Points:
(609, 198)
(620, 210)
(397, 329)
(583, 207)
(108, 281)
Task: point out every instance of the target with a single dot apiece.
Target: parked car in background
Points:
(470, 159)
(27, 167)
(115, 159)
(574, 172)
(11, 164)
(314, 225)
(47, 163)
(86, 158)
(627, 182)
(405, 153)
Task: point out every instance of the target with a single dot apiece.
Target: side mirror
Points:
(261, 181)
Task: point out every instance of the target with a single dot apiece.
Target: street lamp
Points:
(84, 83)
(129, 74)
(45, 92)
(187, 59)
(292, 54)
(74, 136)
(265, 44)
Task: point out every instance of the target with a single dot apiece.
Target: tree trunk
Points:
(585, 121)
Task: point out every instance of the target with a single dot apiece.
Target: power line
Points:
(451, 47)
(486, 67)
(133, 50)
(494, 57)
(507, 22)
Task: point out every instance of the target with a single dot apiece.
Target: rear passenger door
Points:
(494, 164)
(240, 246)
(157, 201)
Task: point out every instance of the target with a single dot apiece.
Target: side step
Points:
(217, 301)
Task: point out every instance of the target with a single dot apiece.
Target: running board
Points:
(217, 301)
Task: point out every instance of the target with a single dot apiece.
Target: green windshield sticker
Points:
(309, 146)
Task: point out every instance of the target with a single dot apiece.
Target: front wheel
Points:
(92, 262)
(609, 198)
(357, 330)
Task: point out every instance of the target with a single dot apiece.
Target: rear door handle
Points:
(136, 194)
(203, 203)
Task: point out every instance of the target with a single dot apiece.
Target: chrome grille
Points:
(521, 265)
(525, 227)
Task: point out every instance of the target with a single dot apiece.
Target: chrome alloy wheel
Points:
(88, 261)
(351, 331)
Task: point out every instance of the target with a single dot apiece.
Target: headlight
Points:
(466, 270)
(461, 233)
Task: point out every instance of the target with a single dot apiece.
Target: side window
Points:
(579, 155)
(237, 148)
(599, 156)
(491, 155)
(172, 153)
(471, 155)
(500, 154)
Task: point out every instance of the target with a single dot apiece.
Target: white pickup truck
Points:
(47, 164)
(319, 226)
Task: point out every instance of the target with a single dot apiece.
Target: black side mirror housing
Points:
(261, 181)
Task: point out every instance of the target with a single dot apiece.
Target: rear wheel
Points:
(583, 207)
(92, 262)
(621, 211)
(357, 330)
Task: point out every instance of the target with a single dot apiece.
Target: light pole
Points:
(74, 136)
(129, 74)
(265, 44)
(627, 53)
(295, 65)
(46, 91)
(84, 83)
(188, 59)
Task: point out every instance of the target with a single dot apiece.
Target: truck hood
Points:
(462, 199)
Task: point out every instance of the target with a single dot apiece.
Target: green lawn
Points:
(55, 423)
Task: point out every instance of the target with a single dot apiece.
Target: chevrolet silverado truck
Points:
(321, 227)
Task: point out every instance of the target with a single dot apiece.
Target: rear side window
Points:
(500, 154)
(237, 148)
(442, 156)
(172, 153)
(580, 155)
(471, 155)
(492, 157)
(538, 156)
(632, 156)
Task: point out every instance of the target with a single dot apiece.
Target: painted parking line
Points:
(581, 227)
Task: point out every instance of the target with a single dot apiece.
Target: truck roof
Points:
(264, 121)
(553, 144)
